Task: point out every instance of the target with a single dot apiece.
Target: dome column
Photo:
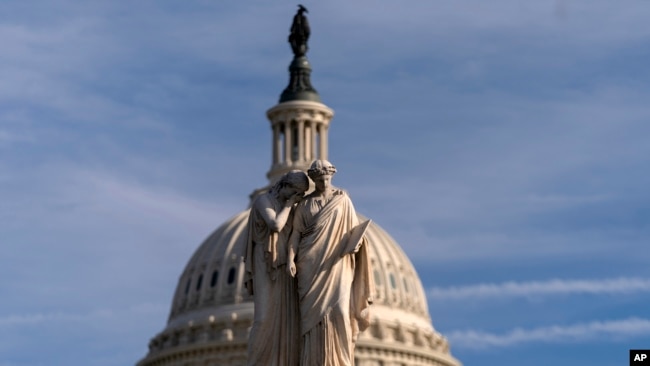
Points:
(277, 144)
(288, 143)
(322, 154)
(309, 141)
(301, 140)
(310, 120)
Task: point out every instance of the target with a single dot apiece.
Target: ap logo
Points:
(639, 357)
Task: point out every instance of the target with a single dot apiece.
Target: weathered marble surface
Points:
(276, 327)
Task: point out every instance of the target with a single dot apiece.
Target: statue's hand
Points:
(296, 198)
(291, 268)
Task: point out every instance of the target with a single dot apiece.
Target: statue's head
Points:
(321, 167)
(293, 182)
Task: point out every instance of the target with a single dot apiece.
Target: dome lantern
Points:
(300, 122)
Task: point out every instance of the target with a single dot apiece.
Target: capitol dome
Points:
(211, 312)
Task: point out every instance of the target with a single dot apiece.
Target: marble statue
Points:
(275, 334)
(328, 255)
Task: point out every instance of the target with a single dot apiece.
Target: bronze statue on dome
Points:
(299, 32)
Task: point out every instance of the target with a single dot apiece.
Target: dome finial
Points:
(299, 87)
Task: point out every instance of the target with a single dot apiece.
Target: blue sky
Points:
(503, 144)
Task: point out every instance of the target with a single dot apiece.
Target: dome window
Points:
(231, 276)
(406, 285)
(378, 280)
(215, 277)
(199, 282)
(392, 281)
(187, 286)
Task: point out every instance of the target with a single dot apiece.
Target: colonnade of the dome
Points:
(300, 135)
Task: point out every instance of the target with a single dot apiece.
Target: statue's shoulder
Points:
(305, 200)
(262, 201)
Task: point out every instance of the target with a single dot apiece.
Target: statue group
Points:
(308, 270)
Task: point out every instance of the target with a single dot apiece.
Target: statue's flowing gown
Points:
(334, 288)
(275, 336)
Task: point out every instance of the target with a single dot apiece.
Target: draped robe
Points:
(275, 335)
(334, 288)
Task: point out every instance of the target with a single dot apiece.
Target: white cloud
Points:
(115, 196)
(111, 236)
(511, 183)
(620, 285)
(40, 318)
(476, 339)
(97, 330)
(148, 309)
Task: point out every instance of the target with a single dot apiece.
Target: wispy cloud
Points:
(8, 137)
(89, 329)
(129, 196)
(40, 318)
(476, 339)
(134, 310)
(620, 285)
(87, 316)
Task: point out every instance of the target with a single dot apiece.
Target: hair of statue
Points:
(321, 167)
(295, 178)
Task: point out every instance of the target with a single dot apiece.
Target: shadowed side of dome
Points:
(214, 274)
(211, 312)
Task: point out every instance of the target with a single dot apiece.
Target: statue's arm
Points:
(294, 241)
(275, 220)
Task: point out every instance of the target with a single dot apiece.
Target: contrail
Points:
(477, 339)
(621, 285)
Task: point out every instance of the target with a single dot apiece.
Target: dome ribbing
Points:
(211, 313)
